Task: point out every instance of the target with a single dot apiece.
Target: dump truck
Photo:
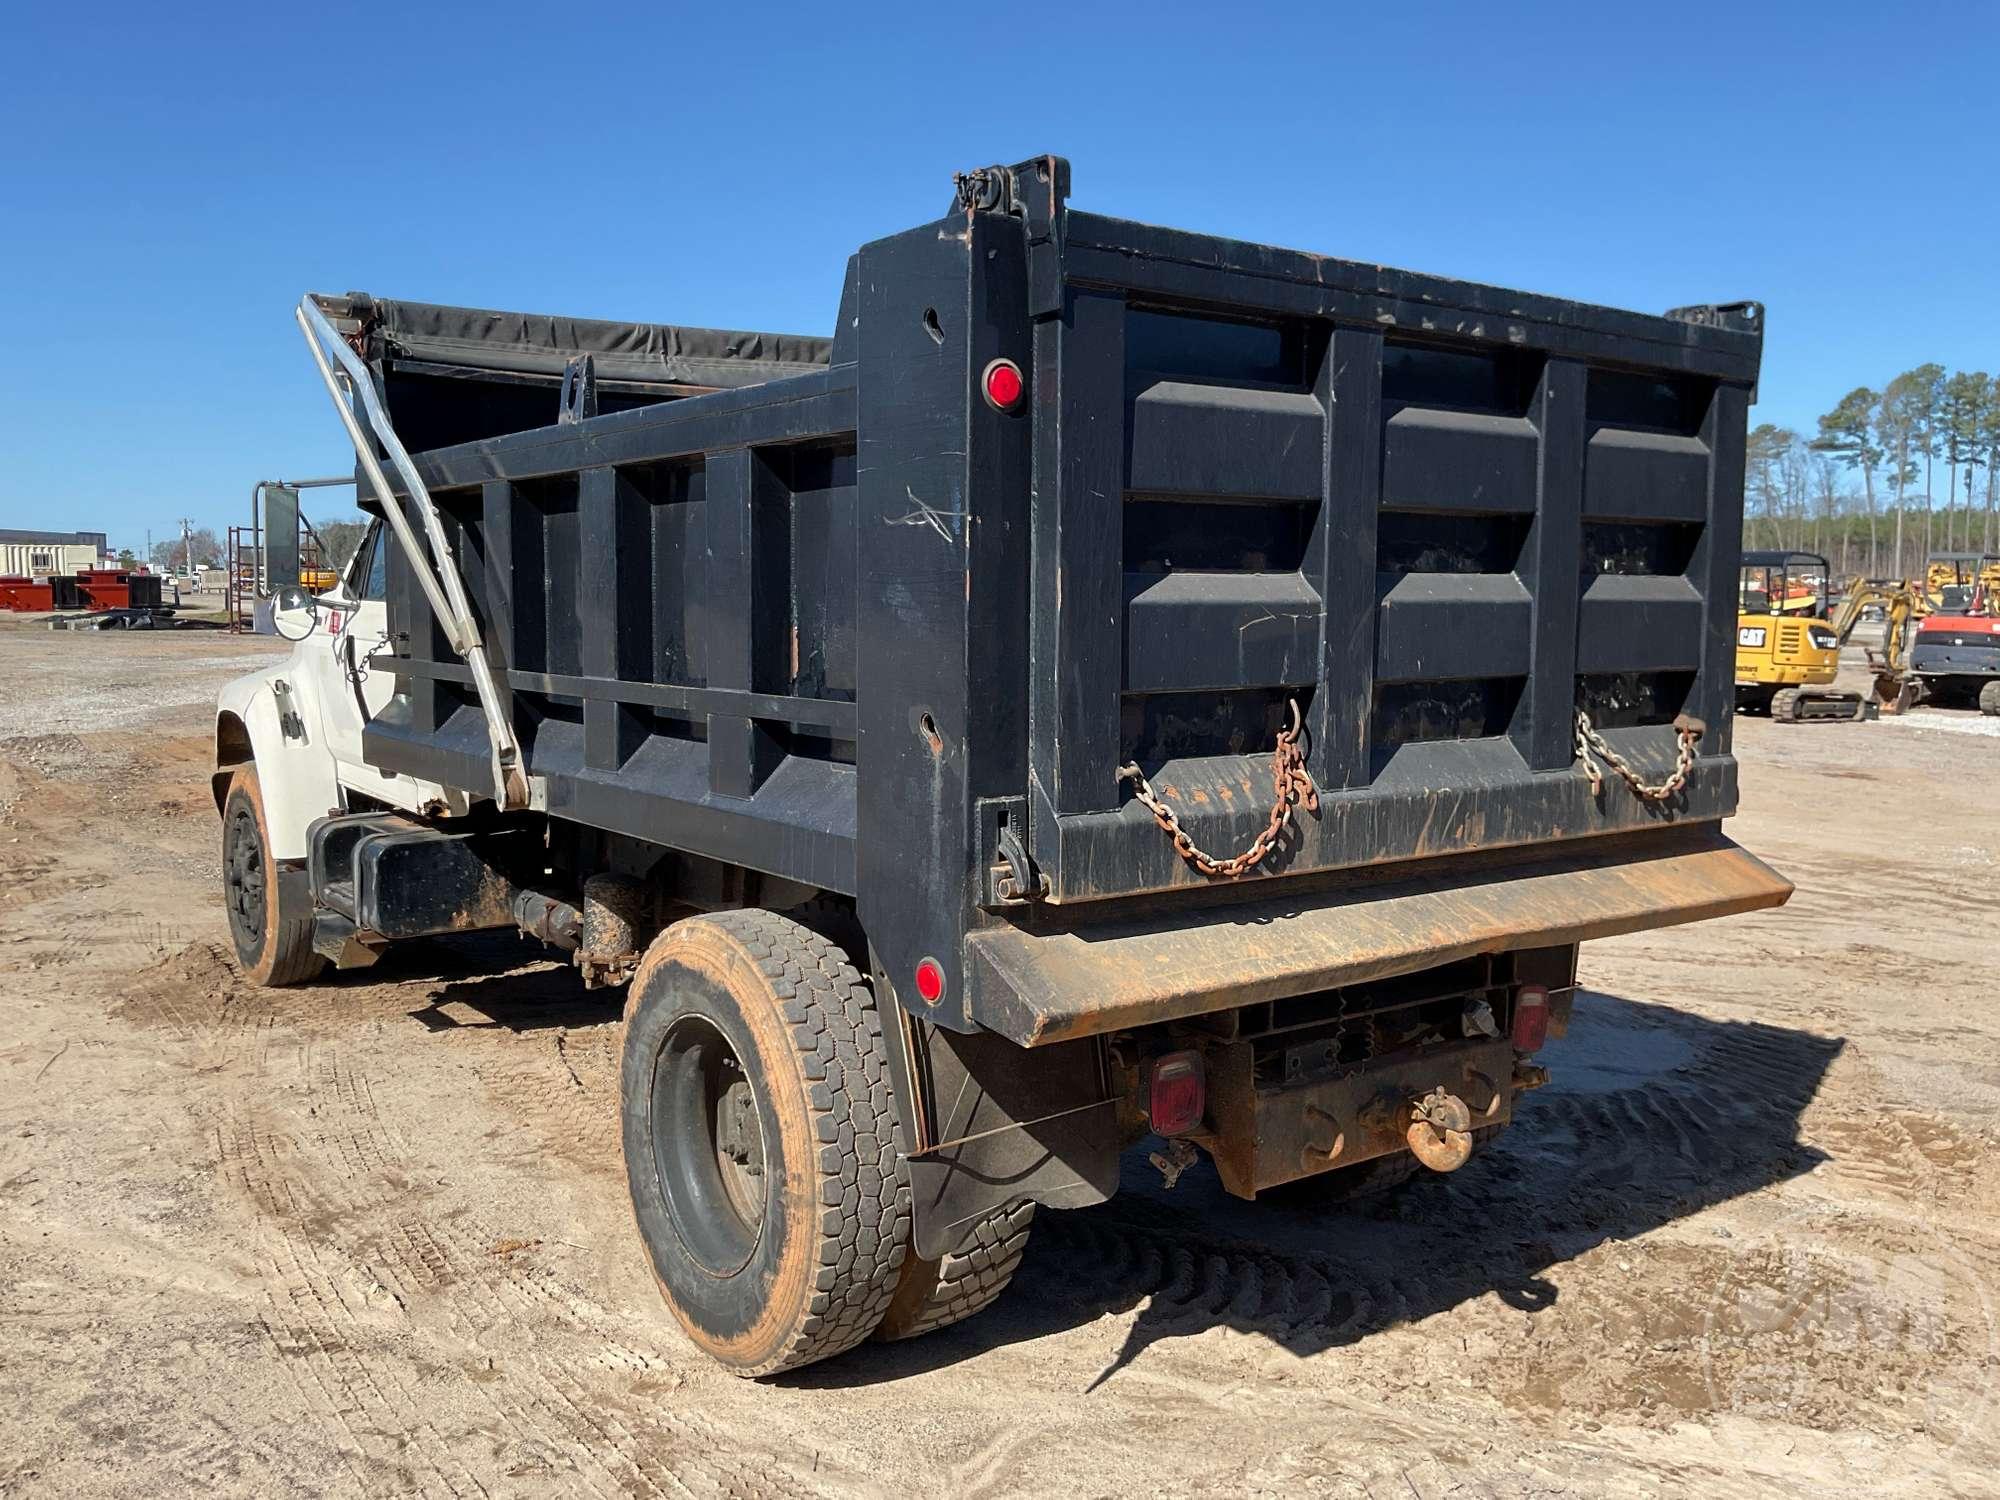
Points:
(1124, 684)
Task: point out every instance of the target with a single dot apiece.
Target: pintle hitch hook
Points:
(1440, 1131)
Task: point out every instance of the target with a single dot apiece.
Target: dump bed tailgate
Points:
(1439, 518)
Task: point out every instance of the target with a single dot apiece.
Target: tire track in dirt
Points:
(562, 1084)
(30, 878)
(307, 1190)
(1594, 1169)
(542, 1331)
(377, 1426)
(318, 1175)
(352, 1372)
(1648, 1334)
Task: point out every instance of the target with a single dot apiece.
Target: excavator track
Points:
(1815, 705)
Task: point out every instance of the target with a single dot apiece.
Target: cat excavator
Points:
(1788, 645)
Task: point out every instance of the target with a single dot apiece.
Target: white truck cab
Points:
(288, 750)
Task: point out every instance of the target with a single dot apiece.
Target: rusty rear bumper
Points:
(1084, 978)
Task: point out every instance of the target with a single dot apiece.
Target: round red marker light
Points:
(1004, 384)
(930, 981)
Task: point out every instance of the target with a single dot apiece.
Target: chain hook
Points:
(1291, 785)
(1591, 747)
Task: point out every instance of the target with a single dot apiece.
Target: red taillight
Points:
(1004, 384)
(930, 981)
(1531, 1018)
(1179, 1094)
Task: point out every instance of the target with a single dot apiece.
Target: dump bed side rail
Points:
(668, 596)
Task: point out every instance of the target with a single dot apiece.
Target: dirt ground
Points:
(371, 1237)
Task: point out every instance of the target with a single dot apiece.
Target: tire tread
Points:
(966, 1280)
(862, 1194)
(294, 959)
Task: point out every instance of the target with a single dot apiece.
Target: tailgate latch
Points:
(1011, 878)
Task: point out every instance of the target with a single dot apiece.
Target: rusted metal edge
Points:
(1036, 988)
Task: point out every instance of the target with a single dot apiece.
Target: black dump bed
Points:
(841, 619)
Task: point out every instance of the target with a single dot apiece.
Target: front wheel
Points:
(270, 911)
(1989, 699)
(761, 1142)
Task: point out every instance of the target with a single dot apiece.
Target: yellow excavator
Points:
(1952, 578)
(1788, 646)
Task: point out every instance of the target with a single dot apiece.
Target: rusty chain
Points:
(1291, 783)
(1591, 748)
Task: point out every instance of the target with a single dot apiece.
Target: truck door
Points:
(352, 689)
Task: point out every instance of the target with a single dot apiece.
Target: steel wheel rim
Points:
(243, 880)
(708, 1146)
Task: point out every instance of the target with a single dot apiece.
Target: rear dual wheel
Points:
(764, 1154)
(933, 1294)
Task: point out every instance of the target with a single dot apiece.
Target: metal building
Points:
(36, 554)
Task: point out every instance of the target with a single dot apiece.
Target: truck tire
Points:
(761, 1142)
(934, 1294)
(833, 918)
(1989, 699)
(270, 916)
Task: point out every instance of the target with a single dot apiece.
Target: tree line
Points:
(198, 549)
(202, 548)
(1800, 492)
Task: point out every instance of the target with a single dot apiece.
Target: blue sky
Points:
(171, 178)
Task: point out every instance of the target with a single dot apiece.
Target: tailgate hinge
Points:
(1034, 192)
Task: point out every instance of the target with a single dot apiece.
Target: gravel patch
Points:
(80, 682)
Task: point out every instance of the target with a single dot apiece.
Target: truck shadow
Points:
(491, 979)
(1652, 1115)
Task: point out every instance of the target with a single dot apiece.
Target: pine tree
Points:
(1847, 433)
(1764, 478)
(1927, 392)
(1897, 423)
(1989, 446)
(1960, 407)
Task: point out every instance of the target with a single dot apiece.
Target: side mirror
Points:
(294, 613)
